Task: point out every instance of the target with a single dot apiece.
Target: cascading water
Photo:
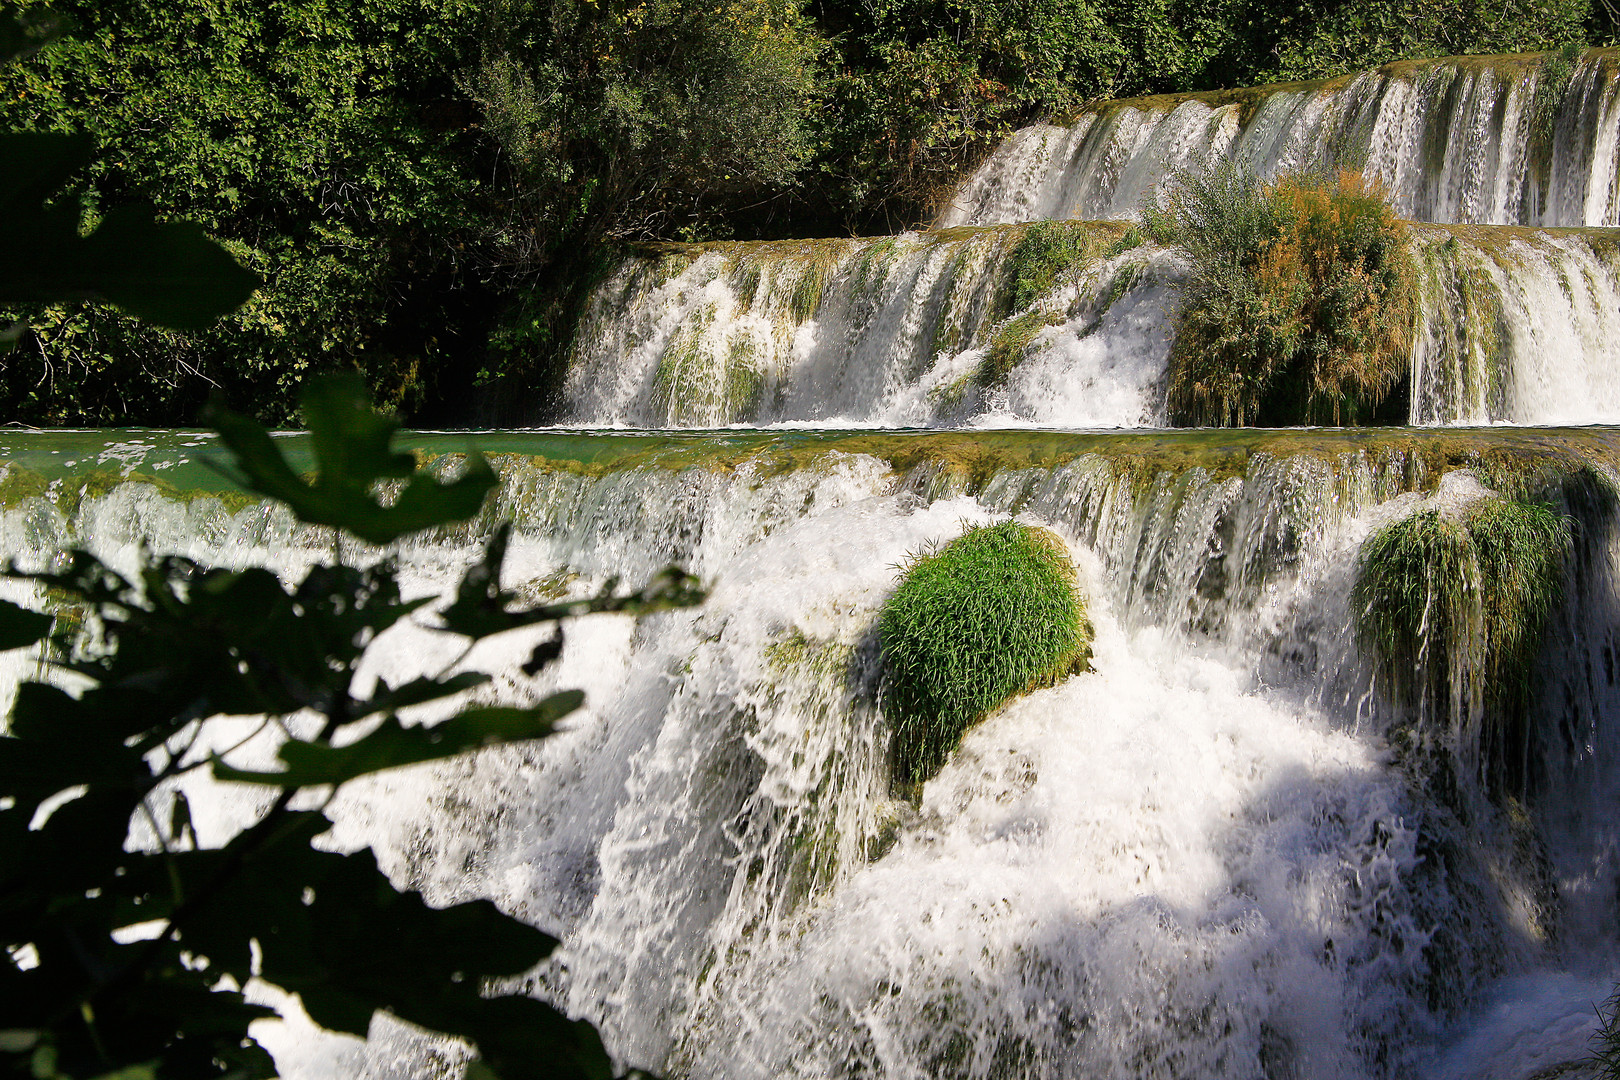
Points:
(1206, 858)
(1516, 326)
(1486, 140)
(890, 332)
(1226, 851)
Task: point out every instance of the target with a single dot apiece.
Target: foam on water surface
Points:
(1202, 859)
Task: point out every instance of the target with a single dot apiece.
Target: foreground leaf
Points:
(353, 452)
(169, 273)
(393, 745)
(20, 627)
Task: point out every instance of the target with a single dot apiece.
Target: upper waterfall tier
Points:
(959, 327)
(1507, 140)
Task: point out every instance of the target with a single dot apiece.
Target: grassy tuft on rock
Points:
(1301, 302)
(1454, 606)
(1046, 251)
(991, 614)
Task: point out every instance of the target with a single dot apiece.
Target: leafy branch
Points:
(180, 644)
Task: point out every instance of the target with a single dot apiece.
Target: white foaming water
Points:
(888, 332)
(1200, 860)
(1453, 141)
(1516, 326)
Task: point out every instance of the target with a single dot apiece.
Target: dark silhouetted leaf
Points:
(418, 691)
(352, 454)
(393, 744)
(481, 609)
(20, 627)
(169, 273)
(544, 654)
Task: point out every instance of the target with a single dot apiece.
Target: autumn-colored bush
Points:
(1300, 305)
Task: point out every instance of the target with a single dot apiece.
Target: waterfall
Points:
(1486, 140)
(1203, 859)
(1234, 848)
(891, 332)
(1516, 326)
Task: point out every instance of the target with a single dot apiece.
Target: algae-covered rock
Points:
(991, 614)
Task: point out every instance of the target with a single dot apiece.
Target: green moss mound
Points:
(1301, 304)
(991, 614)
(1454, 609)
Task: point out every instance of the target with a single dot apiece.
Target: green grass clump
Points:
(1043, 253)
(991, 614)
(1007, 347)
(1301, 303)
(1556, 72)
(1454, 609)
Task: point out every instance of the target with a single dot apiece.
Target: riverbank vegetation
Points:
(1301, 301)
(428, 187)
(992, 614)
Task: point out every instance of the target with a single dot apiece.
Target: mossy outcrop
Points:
(991, 614)
(1453, 605)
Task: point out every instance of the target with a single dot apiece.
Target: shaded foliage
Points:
(1301, 303)
(180, 643)
(319, 139)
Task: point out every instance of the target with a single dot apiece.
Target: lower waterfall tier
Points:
(1225, 851)
(966, 327)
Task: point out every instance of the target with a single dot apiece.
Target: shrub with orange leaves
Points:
(1301, 301)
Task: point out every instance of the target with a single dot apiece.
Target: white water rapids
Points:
(1516, 326)
(1203, 859)
(1487, 140)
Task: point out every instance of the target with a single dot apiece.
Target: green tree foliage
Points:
(632, 121)
(1301, 302)
(422, 184)
(991, 614)
(180, 643)
(169, 274)
(321, 140)
(1337, 37)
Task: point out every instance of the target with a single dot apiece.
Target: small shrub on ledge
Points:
(992, 614)
(1301, 304)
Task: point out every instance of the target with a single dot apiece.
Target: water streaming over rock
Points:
(1209, 857)
(1226, 851)
(1525, 140)
(1516, 326)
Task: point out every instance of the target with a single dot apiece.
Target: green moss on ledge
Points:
(1453, 606)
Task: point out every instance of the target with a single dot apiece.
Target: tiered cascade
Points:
(1229, 849)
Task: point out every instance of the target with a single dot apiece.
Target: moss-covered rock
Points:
(991, 614)
(1453, 605)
